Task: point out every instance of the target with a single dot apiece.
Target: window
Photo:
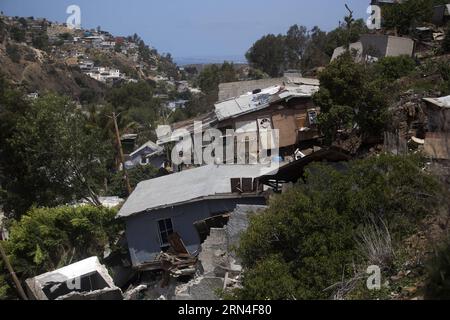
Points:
(143, 160)
(165, 229)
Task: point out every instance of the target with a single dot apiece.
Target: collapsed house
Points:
(84, 280)
(172, 204)
(287, 108)
(437, 139)
(148, 154)
(372, 47)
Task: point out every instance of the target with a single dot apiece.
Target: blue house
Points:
(173, 203)
(148, 154)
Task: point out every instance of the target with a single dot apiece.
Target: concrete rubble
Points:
(219, 269)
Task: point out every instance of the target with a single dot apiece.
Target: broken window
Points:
(165, 229)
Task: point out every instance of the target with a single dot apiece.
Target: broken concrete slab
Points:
(107, 294)
(84, 280)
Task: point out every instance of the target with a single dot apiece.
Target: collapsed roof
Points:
(252, 102)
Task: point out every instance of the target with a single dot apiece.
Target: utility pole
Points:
(122, 158)
(13, 274)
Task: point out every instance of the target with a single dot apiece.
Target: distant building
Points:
(178, 104)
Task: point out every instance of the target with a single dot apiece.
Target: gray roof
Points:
(187, 186)
(149, 144)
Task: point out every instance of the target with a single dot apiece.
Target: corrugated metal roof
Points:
(186, 186)
(253, 102)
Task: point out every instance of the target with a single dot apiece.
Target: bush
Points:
(350, 98)
(312, 228)
(48, 238)
(438, 282)
(392, 68)
(13, 52)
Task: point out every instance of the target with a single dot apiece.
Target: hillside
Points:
(39, 56)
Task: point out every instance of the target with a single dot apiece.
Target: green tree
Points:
(307, 236)
(350, 98)
(57, 156)
(296, 42)
(49, 238)
(135, 175)
(406, 16)
(40, 40)
(17, 34)
(268, 55)
(392, 68)
(13, 52)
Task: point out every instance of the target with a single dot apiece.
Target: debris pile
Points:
(219, 269)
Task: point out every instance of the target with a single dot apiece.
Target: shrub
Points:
(13, 52)
(438, 282)
(312, 227)
(392, 68)
(48, 238)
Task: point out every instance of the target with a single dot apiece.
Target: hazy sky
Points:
(193, 28)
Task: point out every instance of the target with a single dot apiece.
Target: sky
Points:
(194, 28)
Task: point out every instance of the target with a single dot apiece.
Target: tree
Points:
(40, 40)
(350, 98)
(406, 16)
(307, 237)
(315, 54)
(268, 55)
(13, 52)
(49, 238)
(392, 68)
(135, 175)
(17, 34)
(296, 43)
(57, 156)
